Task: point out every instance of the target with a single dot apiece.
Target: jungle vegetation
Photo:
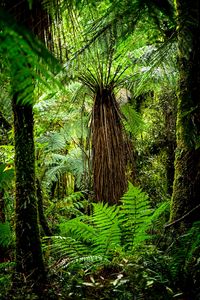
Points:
(100, 149)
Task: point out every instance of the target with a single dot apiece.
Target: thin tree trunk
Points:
(42, 219)
(186, 188)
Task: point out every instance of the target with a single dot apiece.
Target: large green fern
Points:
(108, 230)
(136, 217)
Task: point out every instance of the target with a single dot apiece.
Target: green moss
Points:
(186, 188)
(29, 261)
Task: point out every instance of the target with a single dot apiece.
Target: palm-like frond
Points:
(73, 247)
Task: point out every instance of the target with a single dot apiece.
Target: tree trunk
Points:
(108, 149)
(29, 261)
(186, 188)
(42, 219)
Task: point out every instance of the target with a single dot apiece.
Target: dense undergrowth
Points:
(112, 252)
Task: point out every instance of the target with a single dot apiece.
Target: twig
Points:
(182, 218)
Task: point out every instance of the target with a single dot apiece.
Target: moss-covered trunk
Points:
(42, 218)
(186, 188)
(29, 261)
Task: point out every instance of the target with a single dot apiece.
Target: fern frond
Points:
(79, 230)
(105, 219)
(133, 122)
(104, 215)
(134, 213)
(6, 236)
(86, 261)
(22, 52)
(6, 176)
(54, 141)
(66, 246)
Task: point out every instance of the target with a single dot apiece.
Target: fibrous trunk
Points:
(108, 148)
(186, 188)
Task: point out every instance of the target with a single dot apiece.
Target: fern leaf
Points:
(79, 230)
(105, 218)
(66, 246)
(134, 213)
(6, 236)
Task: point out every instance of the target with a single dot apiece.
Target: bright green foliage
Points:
(133, 121)
(105, 220)
(6, 235)
(21, 52)
(6, 176)
(135, 216)
(110, 229)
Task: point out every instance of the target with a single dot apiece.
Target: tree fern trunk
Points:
(186, 188)
(108, 149)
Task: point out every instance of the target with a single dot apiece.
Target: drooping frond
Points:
(154, 67)
(132, 120)
(67, 245)
(26, 59)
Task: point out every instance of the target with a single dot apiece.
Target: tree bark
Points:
(108, 165)
(29, 261)
(42, 219)
(186, 188)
